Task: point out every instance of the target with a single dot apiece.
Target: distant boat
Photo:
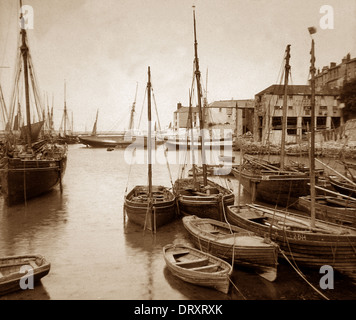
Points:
(197, 267)
(13, 270)
(32, 165)
(150, 206)
(103, 141)
(234, 244)
(66, 134)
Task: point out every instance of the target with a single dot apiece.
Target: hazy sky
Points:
(103, 48)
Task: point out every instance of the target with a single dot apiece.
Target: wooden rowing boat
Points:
(197, 267)
(331, 208)
(15, 270)
(325, 244)
(234, 244)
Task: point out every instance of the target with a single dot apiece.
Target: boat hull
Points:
(232, 243)
(163, 209)
(310, 248)
(325, 211)
(22, 180)
(211, 205)
(343, 187)
(11, 271)
(214, 274)
(104, 141)
(282, 190)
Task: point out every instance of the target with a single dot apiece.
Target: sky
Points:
(102, 50)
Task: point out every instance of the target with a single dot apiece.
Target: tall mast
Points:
(199, 91)
(190, 116)
(65, 111)
(149, 134)
(131, 124)
(312, 137)
(24, 53)
(284, 116)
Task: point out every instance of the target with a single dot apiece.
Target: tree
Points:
(348, 97)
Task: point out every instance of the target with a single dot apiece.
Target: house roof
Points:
(232, 104)
(278, 89)
(186, 110)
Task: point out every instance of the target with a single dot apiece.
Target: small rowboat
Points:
(234, 244)
(16, 270)
(197, 267)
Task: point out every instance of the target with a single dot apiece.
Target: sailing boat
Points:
(150, 206)
(277, 184)
(303, 240)
(31, 166)
(198, 195)
(65, 135)
(121, 140)
(99, 141)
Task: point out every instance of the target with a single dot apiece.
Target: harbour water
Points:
(95, 253)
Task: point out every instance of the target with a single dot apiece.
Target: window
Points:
(277, 123)
(292, 125)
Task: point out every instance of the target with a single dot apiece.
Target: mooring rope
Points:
(303, 277)
(237, 289)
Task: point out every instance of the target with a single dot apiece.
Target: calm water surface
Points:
(96, 254)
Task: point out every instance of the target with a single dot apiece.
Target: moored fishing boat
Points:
(14, 269)
(198, 195)
(152, 214)
(150, 206)
(303, 240)
(346, 187)
(32, 164)
(234, 244)
(331, 208)
(280, 185)
(197, 267)
(324, 244)
(208, 201)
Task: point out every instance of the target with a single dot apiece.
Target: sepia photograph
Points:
(178, 155)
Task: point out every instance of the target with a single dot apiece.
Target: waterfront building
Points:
(269, 110)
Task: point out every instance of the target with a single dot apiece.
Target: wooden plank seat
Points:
(193, 263)
(208, 268)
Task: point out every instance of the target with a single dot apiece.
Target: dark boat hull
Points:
(343, 187)
(22, 180)
(211, 206)
(163, 208)
(282, 190)
(324, 210)
(103, 141)
(303, 247)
